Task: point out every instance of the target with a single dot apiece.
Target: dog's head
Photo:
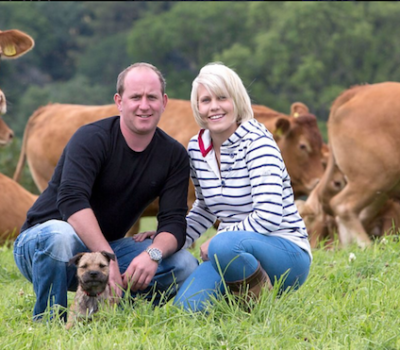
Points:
(92, 271)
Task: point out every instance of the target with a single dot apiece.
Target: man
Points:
(108, 173)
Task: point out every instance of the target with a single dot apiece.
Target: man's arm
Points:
(87, 228)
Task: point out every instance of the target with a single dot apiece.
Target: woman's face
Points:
(217, 112)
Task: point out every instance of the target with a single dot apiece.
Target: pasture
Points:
(350, 301)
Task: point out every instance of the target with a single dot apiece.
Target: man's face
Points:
(142, 102)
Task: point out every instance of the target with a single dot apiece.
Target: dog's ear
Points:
(109, 256)
(75, 259)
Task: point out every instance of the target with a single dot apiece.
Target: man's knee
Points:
(59, 240)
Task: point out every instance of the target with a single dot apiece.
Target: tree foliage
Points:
(284, 51)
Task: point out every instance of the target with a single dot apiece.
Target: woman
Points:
(241, 180)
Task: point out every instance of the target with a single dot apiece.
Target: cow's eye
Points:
(303, 147)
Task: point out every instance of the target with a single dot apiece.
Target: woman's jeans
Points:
(236, 255)
(42, 254)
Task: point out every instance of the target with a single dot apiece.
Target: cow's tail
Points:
(22, 154)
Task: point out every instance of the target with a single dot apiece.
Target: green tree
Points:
(183, 39)
(312, 51)
(78, 90)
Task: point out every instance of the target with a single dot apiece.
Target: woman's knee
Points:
(223, 248)
(218, 244)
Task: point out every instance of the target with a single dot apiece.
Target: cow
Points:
(321, 225)
(363, 136)
(50, 127)
(322, 228)
(6, 134)
(13, 44)
(14, 204)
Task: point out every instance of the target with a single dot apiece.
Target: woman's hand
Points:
(140, 237)
(204, 250)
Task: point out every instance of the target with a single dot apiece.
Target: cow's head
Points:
(300, 142)
(13, 44)
(6, 134)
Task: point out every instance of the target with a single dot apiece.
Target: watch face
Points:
(155, 254)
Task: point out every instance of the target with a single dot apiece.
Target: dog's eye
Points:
(102, 266)
(83, 266)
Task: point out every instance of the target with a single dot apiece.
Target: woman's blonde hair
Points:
(222, 81)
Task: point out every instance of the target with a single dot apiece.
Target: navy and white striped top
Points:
(251, 193)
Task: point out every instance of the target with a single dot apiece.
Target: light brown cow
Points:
(13, 44)
(6, 134)
(50, 127)
(363, 132)
(14, 204)
(318, 215)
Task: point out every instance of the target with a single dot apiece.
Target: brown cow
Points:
(363, 132)
(13, 44)
(321, 226)
(50, 127)
(318, 215)
(6, 134)
(14, 204)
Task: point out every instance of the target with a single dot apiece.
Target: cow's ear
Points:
(298, 108)
(15, 43)
(282, 126)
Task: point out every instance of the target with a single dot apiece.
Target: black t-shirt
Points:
(98, 170)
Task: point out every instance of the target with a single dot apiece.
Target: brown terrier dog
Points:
(92, 273)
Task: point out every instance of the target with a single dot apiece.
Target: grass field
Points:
(350, 301)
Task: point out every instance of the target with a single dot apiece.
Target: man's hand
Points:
(139, 273)
(115, 280)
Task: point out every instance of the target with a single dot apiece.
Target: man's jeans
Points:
(236, 255)
(42, 254)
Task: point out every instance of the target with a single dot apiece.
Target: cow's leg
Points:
(346, 207)
(369, 215)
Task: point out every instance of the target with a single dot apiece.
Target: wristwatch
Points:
(155, 254)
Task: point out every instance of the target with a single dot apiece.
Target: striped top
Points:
(252, 192)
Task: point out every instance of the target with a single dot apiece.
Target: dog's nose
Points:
(93, 274)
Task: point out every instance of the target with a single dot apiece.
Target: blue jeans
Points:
(237, 255)
(42, 254)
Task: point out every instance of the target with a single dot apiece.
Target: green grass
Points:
(344, 304)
